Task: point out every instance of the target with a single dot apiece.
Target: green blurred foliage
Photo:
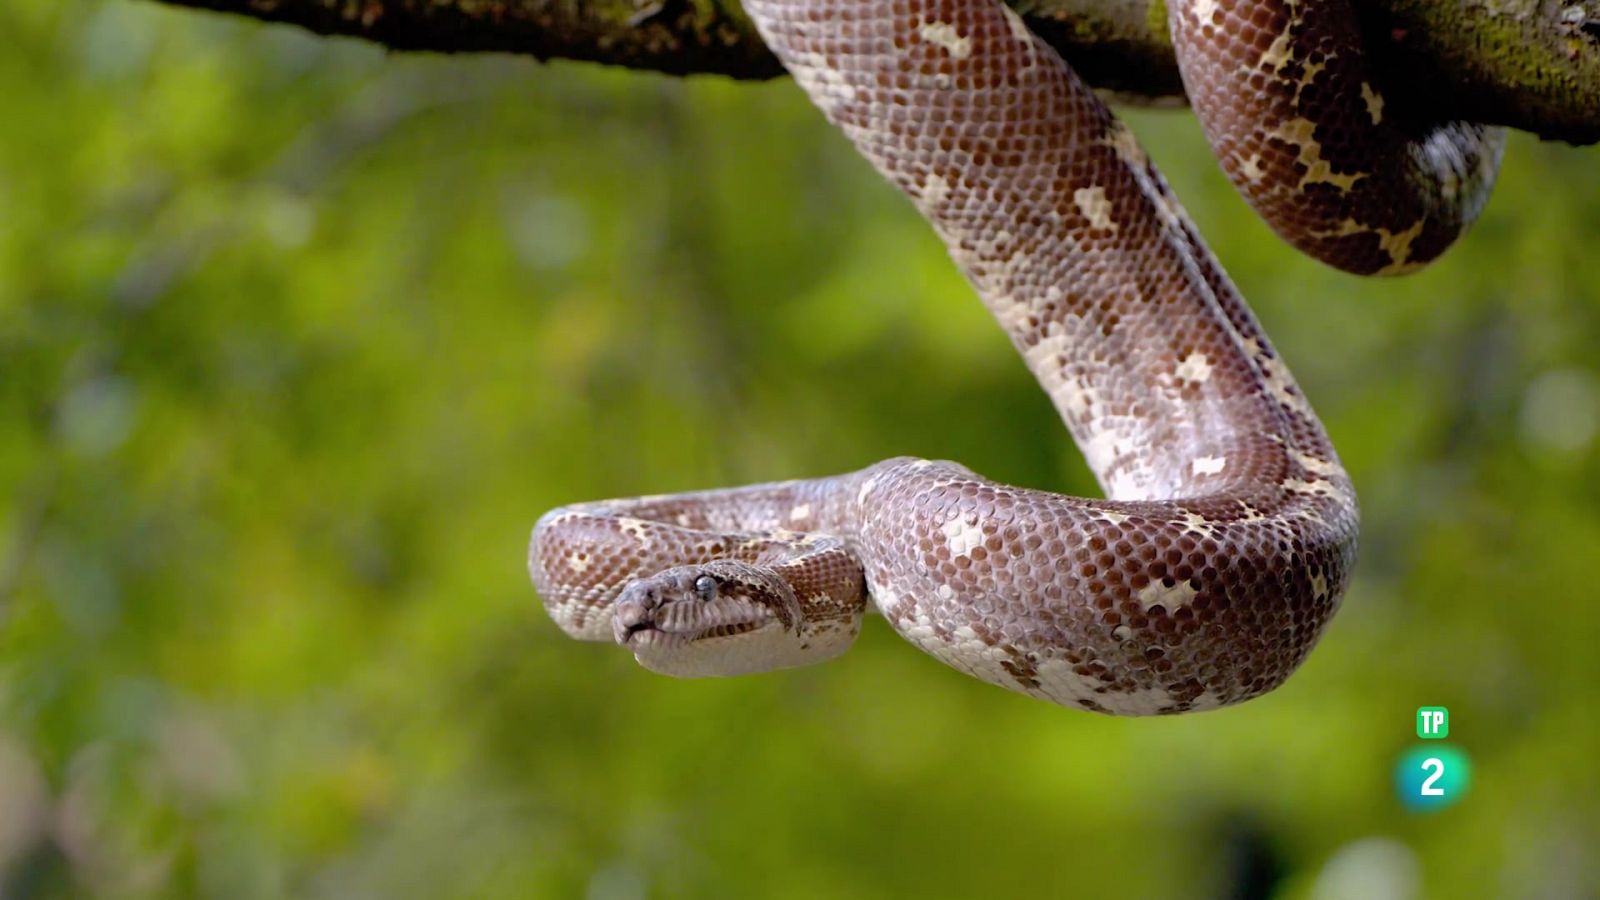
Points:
(298, 338)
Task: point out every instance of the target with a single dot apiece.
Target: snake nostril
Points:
(639, 596)
(631, 618)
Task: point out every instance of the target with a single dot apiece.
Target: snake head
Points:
(719, 618)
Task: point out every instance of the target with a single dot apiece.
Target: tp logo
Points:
(1433, 723)
(1432, 777)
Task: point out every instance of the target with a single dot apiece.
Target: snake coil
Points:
(1229, 531)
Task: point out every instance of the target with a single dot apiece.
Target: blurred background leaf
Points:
(297, 339)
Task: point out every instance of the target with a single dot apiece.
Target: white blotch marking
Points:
(1169, 210)
(1398, 246)
(866, 487)
(1200, 525)
(1316, 464)
(1395, 243)
(1120, 139)
(1061, 684)
(1276, 56)
(1074, 398)
(1018, 28)
(1346, 226)
(945, 35)
(1314, 488)
(1170, 598)
(1301, 132)
(1374, 101)
(826, 84)
(1094, 205)
(1209, 465)
(946, 592)
(961, 534)
(1251, 168)
(1308, 76)
(934, 190)
(638, 528)
(1143, 702)
(1194, 369)
(1282, 387)
(1203, 10)
(802, 511)
(1071, 395)
(1319, 585)
(1102, 451)
(578, 562)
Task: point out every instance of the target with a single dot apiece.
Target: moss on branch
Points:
(1530, 64)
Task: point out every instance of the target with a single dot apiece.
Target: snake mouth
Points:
(648, 634)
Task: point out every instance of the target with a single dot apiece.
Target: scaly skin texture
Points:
(1230, 531)
(1302, 131)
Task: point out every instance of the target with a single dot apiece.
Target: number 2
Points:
(1437, 765)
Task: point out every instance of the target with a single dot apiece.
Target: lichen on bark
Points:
(1529, 64)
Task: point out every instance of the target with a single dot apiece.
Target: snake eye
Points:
(706, 587)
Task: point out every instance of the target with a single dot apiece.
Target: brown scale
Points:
(1230, 534)
(1398, 188)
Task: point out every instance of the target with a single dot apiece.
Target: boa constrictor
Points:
(1229, 531)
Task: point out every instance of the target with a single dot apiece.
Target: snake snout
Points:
(635, 610)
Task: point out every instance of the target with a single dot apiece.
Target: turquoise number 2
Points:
(1437, 765)
(1431, 777)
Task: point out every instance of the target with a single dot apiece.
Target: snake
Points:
(1227, 533)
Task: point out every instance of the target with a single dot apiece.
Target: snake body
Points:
(1229, 532)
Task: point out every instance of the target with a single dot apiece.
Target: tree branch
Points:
(1530, 64)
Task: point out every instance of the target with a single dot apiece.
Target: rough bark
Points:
(1530, 64)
